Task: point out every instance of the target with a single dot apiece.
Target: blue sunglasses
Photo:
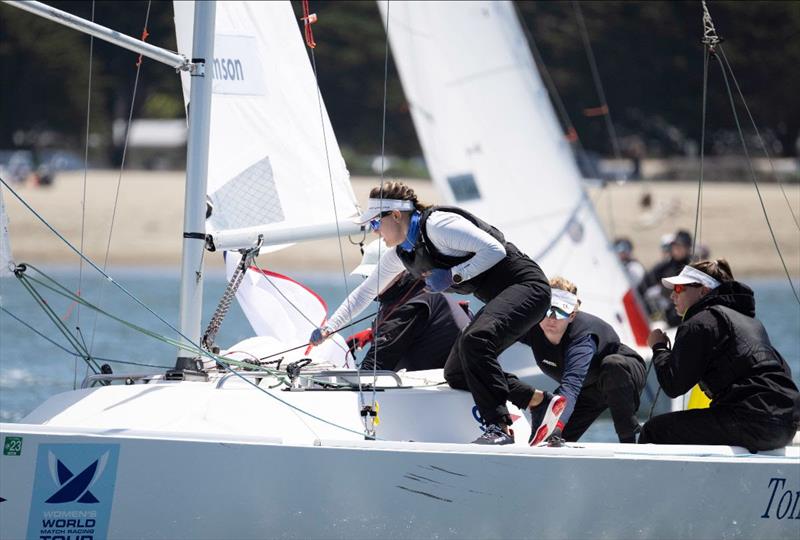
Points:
(558, 313)
(375, 223)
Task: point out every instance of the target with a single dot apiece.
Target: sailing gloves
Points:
(438, 280)
(319, 335)
(359, 340)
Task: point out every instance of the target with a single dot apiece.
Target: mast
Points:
(197, 153)
(199, 113)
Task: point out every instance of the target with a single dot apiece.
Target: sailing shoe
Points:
(494, 434)
(544, 417)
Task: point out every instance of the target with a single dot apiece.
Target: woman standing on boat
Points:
(723, 347)
(456, 251)
(594, 370)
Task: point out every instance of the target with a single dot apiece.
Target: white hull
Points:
(217, 468)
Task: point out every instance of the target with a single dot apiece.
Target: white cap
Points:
(377, 206)
(372, 253)
(688, 275)
(563, 300)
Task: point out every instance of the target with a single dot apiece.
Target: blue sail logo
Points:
(74, 487)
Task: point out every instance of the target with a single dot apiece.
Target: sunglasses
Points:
(558, 313)
(679, 288)
(375, 223)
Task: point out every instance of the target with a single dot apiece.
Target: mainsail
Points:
(273, 157)
(494, 146)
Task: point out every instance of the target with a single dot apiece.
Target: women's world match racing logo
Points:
(73, 490)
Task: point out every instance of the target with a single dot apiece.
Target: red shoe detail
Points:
(558, 406)
(541, 433)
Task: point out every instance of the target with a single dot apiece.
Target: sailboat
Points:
(234, 453)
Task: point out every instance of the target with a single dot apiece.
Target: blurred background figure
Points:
(624, 250)
(658, 303)
(665, 242)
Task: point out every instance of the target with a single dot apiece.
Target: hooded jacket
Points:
(724, 348)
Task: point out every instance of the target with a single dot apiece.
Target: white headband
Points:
(688, 275)
(563, 300)
(377, 206)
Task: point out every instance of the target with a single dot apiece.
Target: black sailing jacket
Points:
(722, 346)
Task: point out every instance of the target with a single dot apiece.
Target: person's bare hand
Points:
(657, 336)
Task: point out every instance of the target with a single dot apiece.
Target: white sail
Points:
(283, 312)
(273, 157)
(494, 146)
(6, 260)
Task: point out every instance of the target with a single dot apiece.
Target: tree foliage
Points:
(649, 58)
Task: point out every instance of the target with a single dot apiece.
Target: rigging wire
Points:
(760, 139)
(121, 169)
(370, 413)
(604, 108)
(85, 174)
(699, 208)
(753, 177)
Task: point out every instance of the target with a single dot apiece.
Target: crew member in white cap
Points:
(414, 328)
(456, 251)
(594, 370)
(721, 346)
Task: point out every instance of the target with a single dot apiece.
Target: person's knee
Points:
(475, 345)
(614, 372)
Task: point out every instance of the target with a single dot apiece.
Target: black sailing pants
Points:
(717, 425)
(618, 387)
(473, 365)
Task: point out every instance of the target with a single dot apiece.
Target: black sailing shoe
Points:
(494, 435)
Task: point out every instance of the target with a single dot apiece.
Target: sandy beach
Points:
(148, 224)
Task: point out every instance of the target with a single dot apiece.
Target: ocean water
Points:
(33, 369)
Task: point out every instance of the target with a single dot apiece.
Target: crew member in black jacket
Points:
(595, 371)
(415, 329)
(723, 347)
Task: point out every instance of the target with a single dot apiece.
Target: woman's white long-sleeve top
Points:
(451, 234)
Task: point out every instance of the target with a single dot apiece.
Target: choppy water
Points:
(32, 369)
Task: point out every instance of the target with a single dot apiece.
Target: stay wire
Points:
(85, 165)
(753, 175)
(598, 84)
(221, 361)
(330, 180)
(760, 138)
(383, 176)
(699, 208)
(119, 178)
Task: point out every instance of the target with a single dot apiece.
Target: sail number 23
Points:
(782, 501)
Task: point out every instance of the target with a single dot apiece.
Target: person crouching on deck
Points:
(594, 370)
(414, 329)
(456, 251)
(723, 347)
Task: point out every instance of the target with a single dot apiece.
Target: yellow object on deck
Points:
(697, 399)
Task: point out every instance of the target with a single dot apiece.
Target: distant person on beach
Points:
(414, 329)
(452, 250)
(623, 247)
(594, 370)
(723, 347)
(656, 299)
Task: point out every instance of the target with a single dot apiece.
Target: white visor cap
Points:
(688, 275)
(372, 253)
(376, 207)
(563, 300)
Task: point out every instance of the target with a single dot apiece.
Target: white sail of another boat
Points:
(494, 146)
